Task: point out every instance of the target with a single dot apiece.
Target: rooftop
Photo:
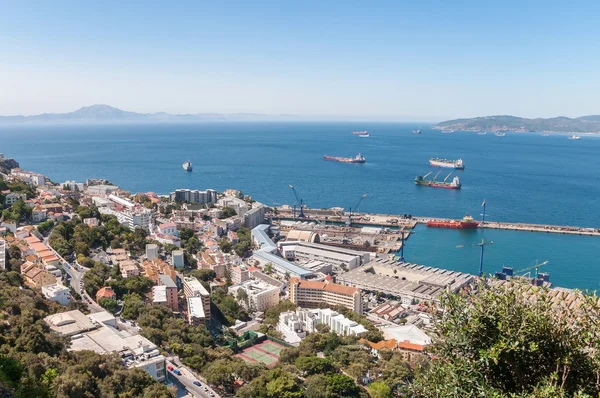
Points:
(407, 334)
(69, 323)
(167, 281)
(195, 307)
(195, 285)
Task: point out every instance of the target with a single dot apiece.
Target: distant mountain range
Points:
(561, 124)
(106, 113)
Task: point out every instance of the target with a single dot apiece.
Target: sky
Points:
(402, 60)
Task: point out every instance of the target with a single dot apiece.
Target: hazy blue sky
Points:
(378, 59)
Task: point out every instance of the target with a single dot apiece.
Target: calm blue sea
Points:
(523, 177)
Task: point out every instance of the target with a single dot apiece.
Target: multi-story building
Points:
(166, 284)
(311, 294)
(259, 295)
(169, 228)
(194, 196)
(254, 216)
(73, 186)
(129, 269)
(58, 293)
(239, 274)
(2, 254)
(177, 258)
(136, 218)
(193, 288)
(239, 205)
(153, 269)
(295, 324)
(151, 251)
(12, 197)
(196, 314)
(28, 177)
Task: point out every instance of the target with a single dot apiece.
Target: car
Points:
(89, 301)
(170, 368)
(197, 383)
(177, 372)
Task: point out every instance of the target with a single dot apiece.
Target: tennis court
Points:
(271, 347)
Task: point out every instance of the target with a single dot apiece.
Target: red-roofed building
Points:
(105, 293)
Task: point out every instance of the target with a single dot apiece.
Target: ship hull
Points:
(343, 160)
(452, 224)
(446, 165)
(437, 184)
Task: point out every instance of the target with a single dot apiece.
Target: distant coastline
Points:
(581, 125)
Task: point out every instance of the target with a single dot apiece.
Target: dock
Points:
(408, 222)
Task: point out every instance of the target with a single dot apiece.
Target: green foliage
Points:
(88, 212)
(96, 278)
(501, 341)
(45, 227)
(225, 245)
(108, 304)
(268, 268)
(228, 306)
(276, 383)
(314, 365)
(342, 386)
(379, 389)
(133, 306)
(205, 275)
(17, 212)
(244, 242)
(227, 212)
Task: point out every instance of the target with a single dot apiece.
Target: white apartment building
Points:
(28, 177)
(239, 274)
(12, 197)
(56, 292)
(73, 186)
(177, 258)
(193, 288)
(194, 196)
(255, 216)
(261, 295)
(196, 314)
(138, 218)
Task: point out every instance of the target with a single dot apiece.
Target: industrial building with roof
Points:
(409, 282)
(303, 236)
(312, 294)
(307, 252)
(266, 254)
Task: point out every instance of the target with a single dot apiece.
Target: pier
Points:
(408, 222)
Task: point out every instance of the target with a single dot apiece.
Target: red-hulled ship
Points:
(466, 223)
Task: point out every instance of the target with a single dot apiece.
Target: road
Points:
(187, 378)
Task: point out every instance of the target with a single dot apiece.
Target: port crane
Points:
(482, 245)
(349, 222)
(298, 201)
(528, 269)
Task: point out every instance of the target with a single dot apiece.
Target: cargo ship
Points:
(466, 223)
(454, 184)
(358, 159)
(450, 164)
(361, 133)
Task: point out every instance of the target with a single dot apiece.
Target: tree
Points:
(220, 373)
(225, 245)
(205, 275)
(512, 341)
(379, 389)
(317, 386)
(342, 386)
(268, 268)
(108, 304)
(227, 212)
(314, 365)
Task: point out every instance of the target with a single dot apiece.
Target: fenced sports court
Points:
(266, 352)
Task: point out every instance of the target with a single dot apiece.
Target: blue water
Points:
(523, 177)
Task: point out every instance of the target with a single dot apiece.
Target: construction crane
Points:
(528, 269)
(402, 232)
(482, 245)
(299, 201)
(355, 209)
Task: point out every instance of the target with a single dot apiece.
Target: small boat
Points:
(447, 131)
(358, 159)
(545, 135)
(482, 133)
(361, 133)
(454, 184)
(500, 134)
(187, 165)
(366, 135)
(416, 131)
(574, 137)
(450, 164)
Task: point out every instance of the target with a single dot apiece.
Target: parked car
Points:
(197, 383)
(177, 372)
(170, 368)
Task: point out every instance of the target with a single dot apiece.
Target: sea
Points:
(524, 177)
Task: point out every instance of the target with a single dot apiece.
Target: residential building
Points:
(156, 267)
(2, 254)
(28, 177)
(97, 332)
(196, 314)
(73, 186)
(169, 228)
(58, 293)
(312, 294)
(408, 339)
(194, 196)
(239, 205)
(193, 288)
(254, 216)
(239, 274)
(177, 258)
(166, 283)
(12, 197)
(128, 213)
(102, 202)
(260, 295)
(91, 222)
(129, 269)
(294, 325)
(105, 292)
(151, 251)
(233, 237)
(101, 189)
(36, 278)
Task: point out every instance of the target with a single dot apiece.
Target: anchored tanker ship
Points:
(452, 164)
(466, 223)
(358, 159)
(454, 184)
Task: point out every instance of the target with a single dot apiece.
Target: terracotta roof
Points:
(384, 344)
(312, 285)
(410, 346)
(38, 247)
(105, 292)
(32, 239)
